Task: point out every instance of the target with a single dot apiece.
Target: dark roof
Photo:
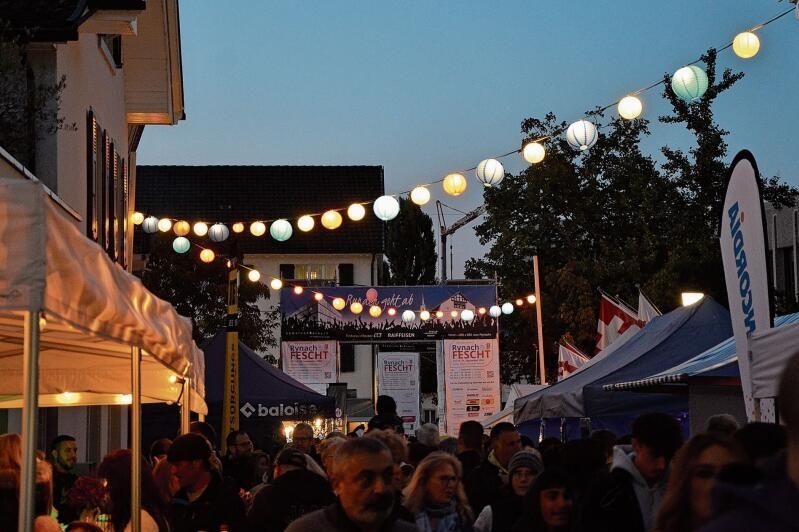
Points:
(56, 20)
(229, 194)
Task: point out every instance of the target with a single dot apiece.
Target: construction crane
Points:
(446, 231)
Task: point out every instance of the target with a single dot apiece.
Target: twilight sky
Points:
(425, 88)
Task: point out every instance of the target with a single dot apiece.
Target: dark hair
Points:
(207, 430)
(159, 447)
(230, 441)
(82, 526)
(761, 440)
(470, 435)
(386, 405)
(59, 439)
(550, 478)
(658, 431)
(115, 468)
(501, 428)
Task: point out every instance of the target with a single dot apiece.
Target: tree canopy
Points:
(410, 247)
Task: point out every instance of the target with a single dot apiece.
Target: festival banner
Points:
(398, 376)
(471, 370)
(388, 313)
(311, 363)
(743, 252)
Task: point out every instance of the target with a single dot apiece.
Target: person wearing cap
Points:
(204, 501)
(294, 492)
(500, 515)
(484, 483)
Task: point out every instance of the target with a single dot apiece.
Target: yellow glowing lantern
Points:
(454, 184)
(182, 228)
(420, 195)
(375, 311)
(257, 228)
(392, 311)
(356, 212)
(439, 314)
(319, 296)
(533, 152)
(339, 303)
(356, 307)
(746, 45)
(519, 302)
(200, 229)
(207, 255)
(137, 218)
(630, 107)
(424, 315)
(331, 220)
(238, 227)
(276, 284)
(164, 225)
(298, 290)
(531, 299)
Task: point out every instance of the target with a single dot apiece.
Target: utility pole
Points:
(445, 231)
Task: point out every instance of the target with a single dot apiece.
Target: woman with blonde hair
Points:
(435, 495)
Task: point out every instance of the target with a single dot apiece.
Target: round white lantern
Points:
(490, 172)
(630, 107)
(254, 275)
(181, 244)
(689, 83)
(467, 315)
(746, 45)
(581, 135)
(454, 184)
(533, 152)
(331, 220)
(408, 316)
(164, 225)
(356, 212)
(420, 195)
(386, 208)
(424, 315)
(305, 223)
(507, 308)
(218, 233)
(276, 284)
(150, 224)
(281, 230)
(200, 229)
(494, 311)
(257, 228)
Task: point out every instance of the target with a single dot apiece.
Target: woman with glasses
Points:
(435, 495)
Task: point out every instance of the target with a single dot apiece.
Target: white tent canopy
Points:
(770, 350)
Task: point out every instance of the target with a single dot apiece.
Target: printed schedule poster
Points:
(471, 380)
(398, 376)
(311, 363)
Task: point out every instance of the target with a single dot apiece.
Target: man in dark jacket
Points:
(484, 484)
(470, 446)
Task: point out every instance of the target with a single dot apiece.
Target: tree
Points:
(199, 291)
(410, 246)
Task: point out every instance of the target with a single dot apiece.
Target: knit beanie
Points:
(527, 458)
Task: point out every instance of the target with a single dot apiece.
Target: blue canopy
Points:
(663, 343)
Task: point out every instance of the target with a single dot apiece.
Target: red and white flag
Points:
(614, 319)
(570, 359)
(646, 310)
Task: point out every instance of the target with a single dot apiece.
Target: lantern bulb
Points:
(276, 284)
(254, 275)
(420, 195)
(408, 316)
(533, 152)
(339, 303)
(746, 45)
(164, 225)
(581, 135)
(238, 227)
(137, 218)
(305, 223)
(200, 229)
(454, 184)
(280, 230)
(356, 212)
(689, 83)
(630, 107)
(207, 255)
(181, 244)
(258, 228)
(331, 220)
(507, 308)
(489, 172)
(386, 208)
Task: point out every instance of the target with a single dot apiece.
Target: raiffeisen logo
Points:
(280, 410)
(744, 282)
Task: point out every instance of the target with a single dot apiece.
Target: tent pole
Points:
(185, 407)
(30, 398)
(135, 445)
(541, 366)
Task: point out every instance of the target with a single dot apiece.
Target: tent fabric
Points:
(721, 360)
(664, 342)
(506, 414)
(770, 349)
(94, 312)
(260, 383)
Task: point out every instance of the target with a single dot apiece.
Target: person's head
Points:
(470, 436)
(523, 469)
(551, 501)
(437, 481)
(606, 440)
(302, 437)
(505, 442)
(82, 526)
(427, 434)
(64, 453)
(362, 476)
(289, 459)
(158, 450)
(398, 447)
(655, 438)
(239, 444)
(261, 465)
(11, 452)
(44, 487)
(686, 502)
(115, 469)
(190, 454)
(385, 405)
(327, 450)
(165, 480)
(205, 429)
(722, 424)
(760, 440)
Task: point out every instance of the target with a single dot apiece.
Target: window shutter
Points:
(287, 271)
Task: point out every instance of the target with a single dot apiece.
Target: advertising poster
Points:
(398, 376)
(311, 363)
(471, 380)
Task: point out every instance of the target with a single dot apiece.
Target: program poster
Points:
(398, 376)
(311, 363)
(471, 380)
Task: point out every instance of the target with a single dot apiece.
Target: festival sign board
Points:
(313, 314)
(311, 363)
(472, 388)
(398, 376)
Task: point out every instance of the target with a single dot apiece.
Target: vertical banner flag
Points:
(471, 380)
(398, 376)
(614, 319)
(311, 363)
(570, 359)
(743, 250)
(230, 400)
(646, 310)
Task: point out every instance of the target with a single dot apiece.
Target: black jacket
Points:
(292, 494)
(219, 504)
(483, 486)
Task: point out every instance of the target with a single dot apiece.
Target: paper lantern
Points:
(207, 255)
(494, 311)
(581, 135)
(507, 308)
(257, 228)
(371, 295)
(375, 311)
(331, 220)
(305, 223)
(481, 311)
(218, 233)
(490, 172)
(467, 315)
(298, 290)
(420, 195)
(630, 107)
(275, 284)
(164, 225)
(531, 299)
(281, 230)
(181, 244)
(533, 152)
(746, 45)
(689, 83)
(356, 212)
(339, 303)
(254, 275)
(386, 208)
(182, 228)
(424, 315)
(519, 302)
(150, 225)
(137, 218)
(238, 227)
(356, 307)
(454, 184)
(200, 229)
(408, 316)
(318, 296)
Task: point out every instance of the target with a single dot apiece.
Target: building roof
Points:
(229, 194)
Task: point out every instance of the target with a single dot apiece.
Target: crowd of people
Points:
(724, 478)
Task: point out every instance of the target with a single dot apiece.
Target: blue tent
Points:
(663, 343)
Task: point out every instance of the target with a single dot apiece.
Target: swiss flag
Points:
(570, 359)
(614, 319)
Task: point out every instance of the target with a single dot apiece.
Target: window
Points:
(346, 275)
(346, 357)
(314, 272)
(111, 45)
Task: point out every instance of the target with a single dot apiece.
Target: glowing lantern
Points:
(420, 195)
(408, 316)
(391, 311)
(181, 228)
(339, 303)
(490, 172)
(424, 315)
(481, 310)
(238, 227)
(181, 244)
(150, 224)
(200, 229)
(581, 135)
(319, 296)
(375, 311)
(356, 307)
(276, 284)
(207, 255)
(331, 220)
(305, 223)
(440, 314)
(531, 299)
(452, 313)
(519, 302)
(630, 107)
(356, 212)
(164, 225)
(454, 184)
(507, 308)
(137, 218)
(494, 311)
(298, 290)
(467, 315)
(218, 233)
(386, 208)
(533, 152)
(254, 275)
(257, 228)
(281, 230)
(746, 45)
(689, 83)
(371, 295)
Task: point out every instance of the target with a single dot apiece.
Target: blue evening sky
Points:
(425, 88)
